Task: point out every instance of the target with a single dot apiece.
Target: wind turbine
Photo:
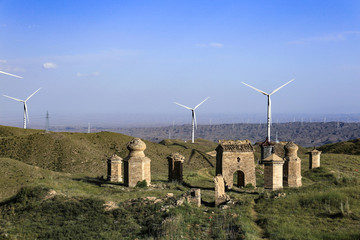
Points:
(194, 124)
(10, 74)
(26, 114)
(269, 103)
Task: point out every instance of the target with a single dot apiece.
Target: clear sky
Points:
(112, 58)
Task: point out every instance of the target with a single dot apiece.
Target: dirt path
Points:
(254, 216)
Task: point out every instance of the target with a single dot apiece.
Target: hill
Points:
(87, 154)
(348, 147)
(16, 174)
(60, 206)
(73, 203)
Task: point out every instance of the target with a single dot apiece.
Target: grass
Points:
(311, 214)
(78, 205)
(326, 207)
(29, 216)
(325, 202)
(348, 147)
(317, 210)
(16, 174)
(87, 154)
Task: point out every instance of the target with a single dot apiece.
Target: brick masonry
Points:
(236, 157)
(136, 164)
(314, 158)
(273, 172)
(175, 162)
(292, 166)
(114, 173)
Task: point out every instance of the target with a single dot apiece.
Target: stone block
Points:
(220, 195)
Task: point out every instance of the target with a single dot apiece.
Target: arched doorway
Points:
(239, 179)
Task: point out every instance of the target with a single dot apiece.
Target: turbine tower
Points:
(194, 124)
(26, 114)
(10, 74)
(269, 104)
(47, 127)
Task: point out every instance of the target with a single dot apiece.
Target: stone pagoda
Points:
(292, 166)
(273, 172)
(314, 158)
(176, 161)
(114, 170)
(136, 164)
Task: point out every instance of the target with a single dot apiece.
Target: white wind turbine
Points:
(194, 124)
(10, 74)
(26, 114)
(269, 104)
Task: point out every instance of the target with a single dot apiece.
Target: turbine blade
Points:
(183, 105)
(14, 98)
(32, 94)
(194, 115)
(201, 103)
(26, 111)
(255, 88)
(282, 86)
(10, 74)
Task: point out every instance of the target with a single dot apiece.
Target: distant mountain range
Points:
(305, 134)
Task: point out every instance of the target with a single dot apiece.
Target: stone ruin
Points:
(136, 164)
(195, 197)
(114, 169)
(220, 195)
(273, 172)
(176, 161)
(314, 158)
(267, 148)
(292, 166)
(192, 197)
(236, 157)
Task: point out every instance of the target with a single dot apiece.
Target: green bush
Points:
(141, 184)
(249, 186)
(320, 175)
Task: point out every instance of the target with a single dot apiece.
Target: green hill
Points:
(348, 147)
(6, 131)
(87, 153)
(16, 174)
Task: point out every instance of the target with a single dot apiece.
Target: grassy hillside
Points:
(66, 206)
(326, 207)
(16, 174)
(348, 147)
(75, 204)
(88, 153)
(6, 131)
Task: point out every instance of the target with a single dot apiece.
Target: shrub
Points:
(29, 196)
(141, 184)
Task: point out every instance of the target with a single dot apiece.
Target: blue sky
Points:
(112, 58)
